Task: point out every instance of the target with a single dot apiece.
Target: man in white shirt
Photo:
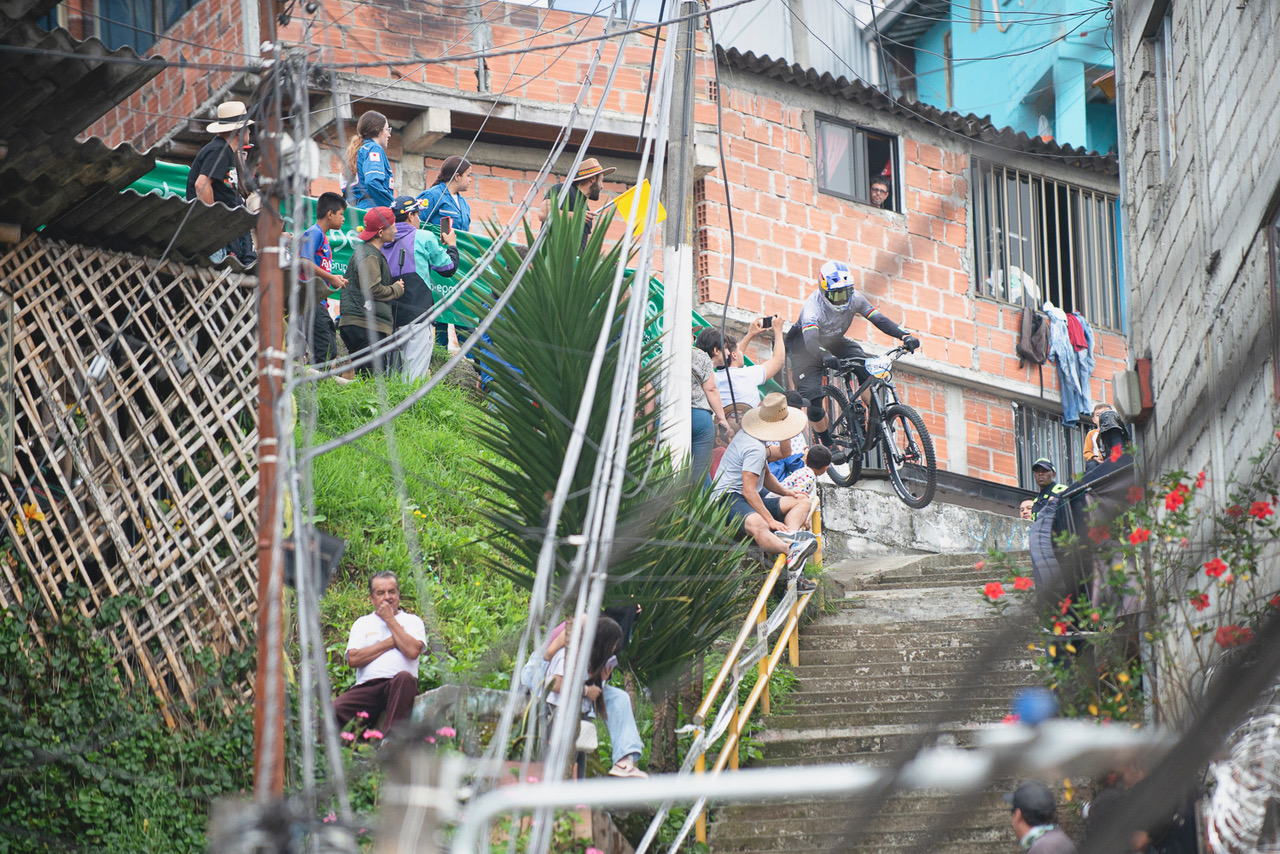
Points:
(383, 648)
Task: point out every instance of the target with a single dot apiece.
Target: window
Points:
(137, 23)
(849, 158)
(1165, 93)
(1273, 265)
(1039, 433)
(1051, 240)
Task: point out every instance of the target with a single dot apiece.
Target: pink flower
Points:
(1139, 535)
(372, 733)
(348, 736)
(431, 739)
(591, 850)
(531, 779)
(362, 714)
(329, 819)
(1023, 582)
(1200, 480)
(1010, 719)
(1215, 568)
(994, 590)
(447, 732)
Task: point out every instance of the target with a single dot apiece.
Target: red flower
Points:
(1023, 582)
(1139, 535)
(1098, 535)
(1229, 636)
(1095, 616)
(1173, 501)
(1215, 568)
(1116, 453)
(1275, 601)
(994, 590)
(980, 564)
(1201, 602)
(1261, 510)
(1060, 628)
(1200, 480)
(1064, 606)
(1135, 494)
(1235, 511)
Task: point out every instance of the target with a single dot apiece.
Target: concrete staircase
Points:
(892, 669)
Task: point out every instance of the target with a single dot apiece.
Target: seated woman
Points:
(613, 704)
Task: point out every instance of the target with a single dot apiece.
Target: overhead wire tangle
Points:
(968, 60)
(1034, 18)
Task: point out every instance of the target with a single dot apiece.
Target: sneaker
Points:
(799, 552)
(627, 768)
(805, 585)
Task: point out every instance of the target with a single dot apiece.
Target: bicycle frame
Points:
(883, 395)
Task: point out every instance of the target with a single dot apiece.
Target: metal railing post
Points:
(700, 830)
(764, 665)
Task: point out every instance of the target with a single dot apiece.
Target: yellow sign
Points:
(638, 197)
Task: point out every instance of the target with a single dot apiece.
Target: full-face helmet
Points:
(836, 282)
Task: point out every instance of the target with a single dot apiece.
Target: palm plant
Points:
(673, 554)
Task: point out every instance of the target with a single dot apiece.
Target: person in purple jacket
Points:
(412, 255)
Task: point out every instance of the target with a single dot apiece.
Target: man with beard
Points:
(585, 187)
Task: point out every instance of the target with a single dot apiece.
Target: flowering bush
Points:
(1174, 581)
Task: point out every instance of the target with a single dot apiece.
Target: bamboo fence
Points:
(132, 467)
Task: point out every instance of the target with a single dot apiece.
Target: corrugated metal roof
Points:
(977, 128)
(49, 95)
(906, 20)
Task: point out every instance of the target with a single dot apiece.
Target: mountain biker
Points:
(816, 340)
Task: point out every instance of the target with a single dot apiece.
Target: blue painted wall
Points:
(1043, 63)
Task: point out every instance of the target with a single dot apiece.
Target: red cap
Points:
(376, 220)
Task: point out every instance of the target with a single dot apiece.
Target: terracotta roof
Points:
(976, 128)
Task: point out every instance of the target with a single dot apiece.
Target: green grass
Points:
(468, 612)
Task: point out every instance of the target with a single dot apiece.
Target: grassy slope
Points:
(356, 499)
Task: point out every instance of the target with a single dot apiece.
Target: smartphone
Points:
(446, 224)
(767, 322)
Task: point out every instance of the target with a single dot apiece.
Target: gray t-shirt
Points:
(1053, 842)
(744, 453)
(702, 370)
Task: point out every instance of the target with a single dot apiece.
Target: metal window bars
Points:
(1051, 240)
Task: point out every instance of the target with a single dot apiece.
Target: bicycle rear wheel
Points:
(908, 454)
(845, 445)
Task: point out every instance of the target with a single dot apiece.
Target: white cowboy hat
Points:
(773, 420)
(228, 113)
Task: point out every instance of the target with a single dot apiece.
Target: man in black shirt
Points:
(585, 187)
(217, 171)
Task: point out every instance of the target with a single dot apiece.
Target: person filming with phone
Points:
(817, 340)
(738, 382)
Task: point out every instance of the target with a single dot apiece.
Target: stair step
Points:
(846, 636)
(909, 696)
(872, 840)
(943, 713)
(920, 655)
(805, 746)
(917, 671)
(885, 847)
(904, 803)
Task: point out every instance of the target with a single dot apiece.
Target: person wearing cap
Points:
(216, 173)
(411, 254)
(584, 187)
(744, 475)
(1046, 477)
(366, 300)
(1033, 812)
(816, 341)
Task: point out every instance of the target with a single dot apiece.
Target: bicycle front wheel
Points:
(845, 444)
(908, 454)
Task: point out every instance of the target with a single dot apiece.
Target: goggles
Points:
(838, 296)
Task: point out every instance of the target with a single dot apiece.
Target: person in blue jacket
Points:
(374, 185)
(444, 197)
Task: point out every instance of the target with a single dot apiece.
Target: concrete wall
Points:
(1200, 293)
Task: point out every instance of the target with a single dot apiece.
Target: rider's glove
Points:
(830, 362)
(911, 342)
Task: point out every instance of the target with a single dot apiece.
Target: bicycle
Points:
(904, 441)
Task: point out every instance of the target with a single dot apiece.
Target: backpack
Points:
(1033, 338)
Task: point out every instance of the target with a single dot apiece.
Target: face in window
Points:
(880, 194)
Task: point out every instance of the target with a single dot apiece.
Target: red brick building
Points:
(971, 207)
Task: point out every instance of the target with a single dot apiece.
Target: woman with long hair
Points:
(373, 185)
(444, 197)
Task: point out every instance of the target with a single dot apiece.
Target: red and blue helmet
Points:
(836, 282)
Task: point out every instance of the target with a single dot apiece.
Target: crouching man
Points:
(383, 648)
(744, 470)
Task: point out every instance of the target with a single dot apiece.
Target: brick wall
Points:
(212, 32)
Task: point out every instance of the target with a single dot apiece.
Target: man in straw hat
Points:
(744, 469)
(216, 173)
(585, 187)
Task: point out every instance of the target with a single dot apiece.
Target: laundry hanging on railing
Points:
(1075, 367)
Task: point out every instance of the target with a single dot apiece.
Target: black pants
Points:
(806, 371)
(322, 337)
(360, 338)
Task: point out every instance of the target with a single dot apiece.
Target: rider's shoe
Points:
(839, 457)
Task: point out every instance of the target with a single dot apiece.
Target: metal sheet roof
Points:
(976, 128)
(49, 93)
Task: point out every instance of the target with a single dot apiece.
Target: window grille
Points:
(1039, 433)
(1056, 241)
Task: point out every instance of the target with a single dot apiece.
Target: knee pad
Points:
(816, 413)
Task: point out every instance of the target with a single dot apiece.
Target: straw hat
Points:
(232, 115)
(773, 420)
(590, 168)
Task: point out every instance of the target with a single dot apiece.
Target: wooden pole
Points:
(269, 697)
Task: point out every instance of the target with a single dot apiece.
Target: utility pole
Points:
(677, 252)
(269, 698)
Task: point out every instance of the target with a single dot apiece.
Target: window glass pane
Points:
(835, 158)
(128, 23)
(175, 9)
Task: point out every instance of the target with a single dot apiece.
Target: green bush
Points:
(88, 761)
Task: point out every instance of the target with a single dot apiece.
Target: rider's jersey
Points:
(823, 324)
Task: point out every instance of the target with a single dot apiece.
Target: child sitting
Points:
(817, 458)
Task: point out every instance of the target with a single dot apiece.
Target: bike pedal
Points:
(839, 457)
